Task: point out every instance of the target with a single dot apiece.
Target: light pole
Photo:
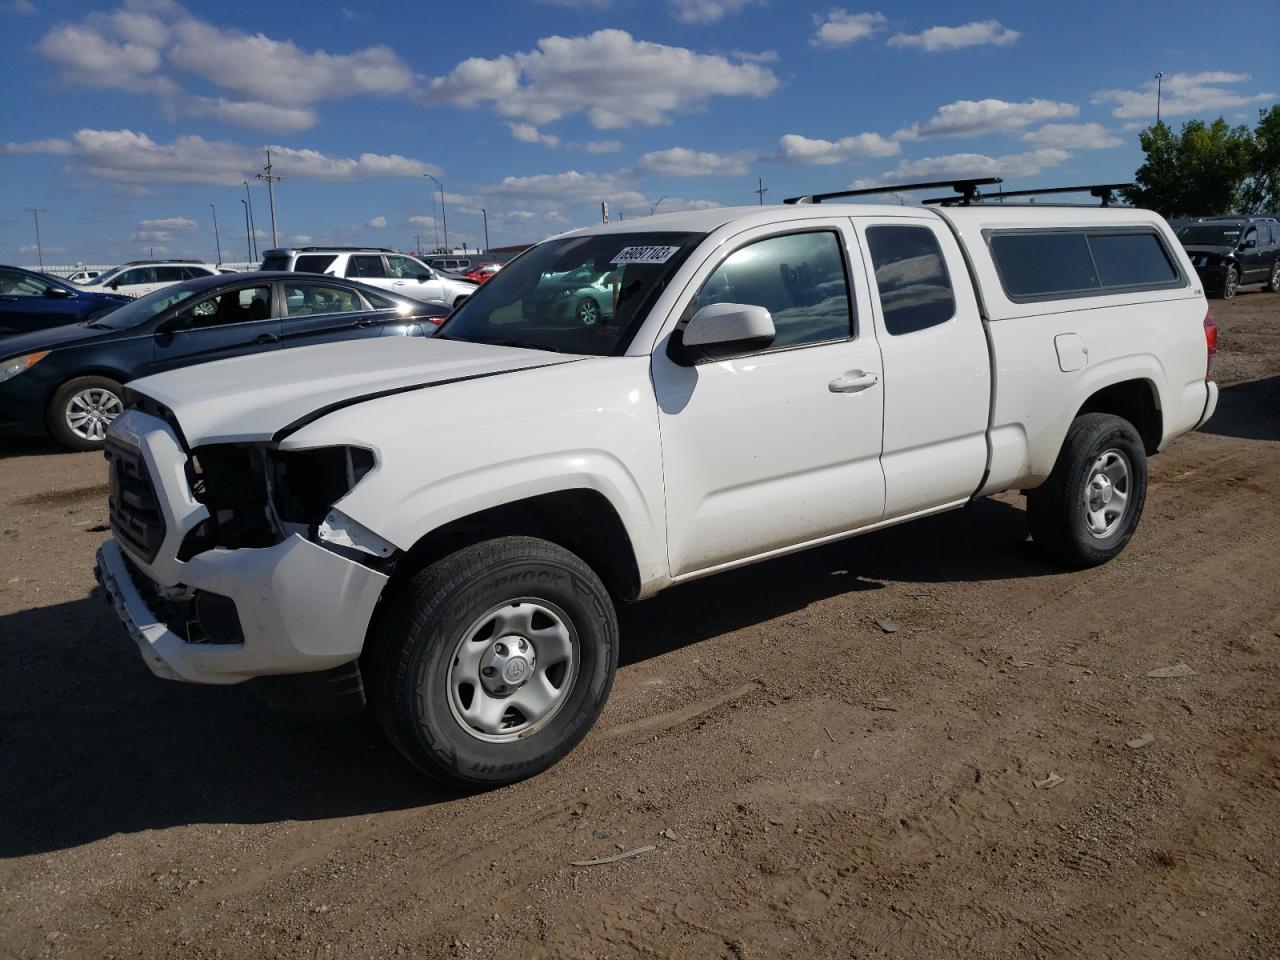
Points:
(1159, 90)
(654, 208)
(253, 246)
(417, 243)
(35, 212)
(444, 213)
(216, 238)
(271, 196)
(484, 213)
(248, 234)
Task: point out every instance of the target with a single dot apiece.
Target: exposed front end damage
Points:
(229, 562)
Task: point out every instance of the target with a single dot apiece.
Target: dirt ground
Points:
(808, 785)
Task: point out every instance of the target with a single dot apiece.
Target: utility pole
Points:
(216, 238)
(1159, 89)
(35, 212)
(253, 246)
(484, 213)
(760, 190)
(248, 234)
(271, 196)
(417, 243)
(654, 208)
(444, 213)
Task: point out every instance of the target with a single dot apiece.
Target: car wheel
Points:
(1088, 509)
(1273, 283)
(587, 312)
(492, 663)
(1229, 283)
(82, 409)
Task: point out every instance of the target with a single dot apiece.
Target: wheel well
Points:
(582, 521)
(1135, 401)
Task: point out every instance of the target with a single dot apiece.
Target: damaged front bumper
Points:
(292, 607)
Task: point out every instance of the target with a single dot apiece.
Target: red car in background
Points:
(483, 272)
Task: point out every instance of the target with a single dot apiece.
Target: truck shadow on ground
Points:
(1250, 411)
(92, 745)
(13, 448)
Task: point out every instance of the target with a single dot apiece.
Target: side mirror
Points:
(57, 293)
(115, 284)
(722, 330)
(174, 325)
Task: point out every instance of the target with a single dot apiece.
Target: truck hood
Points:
(1217, 251)
(268, 395)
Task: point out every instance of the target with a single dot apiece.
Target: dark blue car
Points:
(35, 301)
(66, 381)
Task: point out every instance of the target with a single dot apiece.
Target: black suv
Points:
(1229, 251)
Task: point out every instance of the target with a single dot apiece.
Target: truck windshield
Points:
(1219, 236)
(584, 295)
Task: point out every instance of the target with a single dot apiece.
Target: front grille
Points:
(134, 507)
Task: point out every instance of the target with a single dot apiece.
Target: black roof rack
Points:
(1104, 192)
(966, 188)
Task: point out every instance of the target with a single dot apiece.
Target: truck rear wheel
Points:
(1088, 509)
(493, 662)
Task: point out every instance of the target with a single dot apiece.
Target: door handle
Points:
(855, 381)
(266, 338)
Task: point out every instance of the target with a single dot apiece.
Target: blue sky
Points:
(125, 120)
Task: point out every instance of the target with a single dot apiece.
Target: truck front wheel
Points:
(1088, 509)
(493, 662)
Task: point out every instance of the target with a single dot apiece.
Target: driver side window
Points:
(800, 279)
(234, 306)
(405, 269)
(20, 285)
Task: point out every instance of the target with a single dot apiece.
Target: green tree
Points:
(1201, 172)
(1262, 190)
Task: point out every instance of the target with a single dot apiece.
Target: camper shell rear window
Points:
(1064, 263)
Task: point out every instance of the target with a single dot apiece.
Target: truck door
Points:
(937, 370)
(780, 447)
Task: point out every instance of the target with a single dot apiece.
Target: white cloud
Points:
(794, 148)
(54, 146)
(528, 133)
(706, 11)
(973, 34)
(279, 72)
(253, 114)
(1182, 94)
(1073, 136)
(840, 27)
(600, 146)
(423, 221)
(378, 223)
(762, 56)
(129, 157)
(564, 188)
(169, 223)
(616, 80)
(969, 165)
(683, 162)
(272, 82)
(24, 7)
(974, 118)
(302, 239)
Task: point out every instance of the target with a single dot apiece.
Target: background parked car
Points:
(483, 272)
(1229, 251)
(34, 301)
(67, 380)
(84, 276)
(137, 278)
(377, 267)
(586, 295)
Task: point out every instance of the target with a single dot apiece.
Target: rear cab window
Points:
(1064, 264)
(911, 277)
(314, 262)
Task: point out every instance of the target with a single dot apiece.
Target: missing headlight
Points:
(305, 483)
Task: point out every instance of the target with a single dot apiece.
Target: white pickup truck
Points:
(447, 523)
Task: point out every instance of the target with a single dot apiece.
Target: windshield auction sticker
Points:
(645, 254)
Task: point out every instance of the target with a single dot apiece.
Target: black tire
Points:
(1230, 282)
(1273, 282)
(59, 411)
(588, 312)
(413, 647)
(1057, 511)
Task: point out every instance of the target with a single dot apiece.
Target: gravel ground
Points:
(999, 777)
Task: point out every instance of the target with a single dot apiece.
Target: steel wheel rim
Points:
(588, 312)
(1107, 492)
(89, 413)
(500, 691)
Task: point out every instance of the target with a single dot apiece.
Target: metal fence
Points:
(65, 270)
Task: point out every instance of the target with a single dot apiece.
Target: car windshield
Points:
(1219, 235)
(102, 279)
(584, 295)
(144, 308)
